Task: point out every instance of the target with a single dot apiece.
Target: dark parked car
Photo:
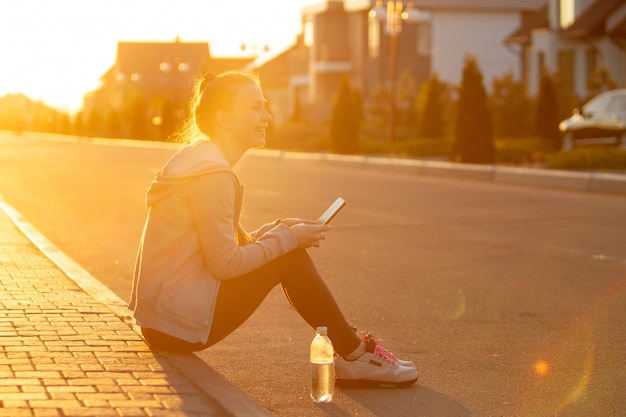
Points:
(601, 121)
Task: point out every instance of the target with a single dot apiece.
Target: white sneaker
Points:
(369, 338)
(376, 368)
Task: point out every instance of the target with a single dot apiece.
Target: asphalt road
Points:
(511, 300)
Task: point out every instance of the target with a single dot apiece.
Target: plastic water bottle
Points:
(322, 367)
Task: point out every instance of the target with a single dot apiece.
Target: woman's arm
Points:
(291, 221)
(212, 200)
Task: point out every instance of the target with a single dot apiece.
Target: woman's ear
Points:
(223, 118)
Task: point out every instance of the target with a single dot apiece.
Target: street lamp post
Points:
(393, 15)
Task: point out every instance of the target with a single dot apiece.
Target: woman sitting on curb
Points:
(199, 275)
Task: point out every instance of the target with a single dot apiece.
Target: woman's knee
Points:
(299, 256)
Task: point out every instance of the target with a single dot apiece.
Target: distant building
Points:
(278, 74)
(574, 38)
(339, 37)
(19, 113)
(146, 92)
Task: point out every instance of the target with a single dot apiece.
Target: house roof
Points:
(152, 57)
(592, 22)
(480, 4)
(491, 5)
(619, 29)
(151, 60)
(221, 64)
(530, 22)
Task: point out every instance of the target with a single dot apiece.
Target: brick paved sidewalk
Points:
(63, 353)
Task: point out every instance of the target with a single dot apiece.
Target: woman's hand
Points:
(292, 221)
(309, 234)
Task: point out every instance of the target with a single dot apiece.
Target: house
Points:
(576, 39)
(276, 72)
(146, 92)
(342, 37)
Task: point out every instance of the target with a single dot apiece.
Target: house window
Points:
(567, 13)
(591, 62)
(373, 37)
(309, 32)
(424, 31)
(566, 70)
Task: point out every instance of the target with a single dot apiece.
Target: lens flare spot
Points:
(461, 305)
(542, 368)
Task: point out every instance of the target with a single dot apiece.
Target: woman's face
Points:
(249, 117)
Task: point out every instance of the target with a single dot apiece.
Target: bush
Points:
(521, 150)
(294, 136)
(547, 112)
(473, 129)
(589, 159)
(431, 106)
(512, 108)
(417, 147)
(345, 121)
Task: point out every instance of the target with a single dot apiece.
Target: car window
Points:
(618, 103)
(597, 105)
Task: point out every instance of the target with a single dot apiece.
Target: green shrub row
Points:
(527, 151)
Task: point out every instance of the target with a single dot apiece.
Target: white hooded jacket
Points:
(188, 244)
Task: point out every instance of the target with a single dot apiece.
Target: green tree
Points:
(378, 105)
(473, 130)
(296, 113)
(405, 97)
(512, 108)
(169, 120)
(431, 108)
(547, 111)
(599, 81)
(358, 103)
(345, 121)
(138, 119)
(94, 123)
(78, 127)
(113, 124)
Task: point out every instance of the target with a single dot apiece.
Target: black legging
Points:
(239, 297)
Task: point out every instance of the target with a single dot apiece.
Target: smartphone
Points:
(331, 211)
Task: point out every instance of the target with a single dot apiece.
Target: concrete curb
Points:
(534, 177)
(233, 400)
(537, 177)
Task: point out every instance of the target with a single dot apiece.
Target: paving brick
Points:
(18, 381)
(7, 402)
(92, 381)
(56, 404)
(33, 388)
(50, 382)
(90, 412)
(136, 403)
(15, 412)
(25, 396)
(145, 388)
(70, 388)
(131, 412)
(46, 412)
(37, 374)
(63, 353)
(110, 388)
(127, 381)
(51, 366)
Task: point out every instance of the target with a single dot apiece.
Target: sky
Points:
(57, 50)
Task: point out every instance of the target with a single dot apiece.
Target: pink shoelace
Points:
(380, 351)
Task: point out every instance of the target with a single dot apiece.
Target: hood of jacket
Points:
(186, 165)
